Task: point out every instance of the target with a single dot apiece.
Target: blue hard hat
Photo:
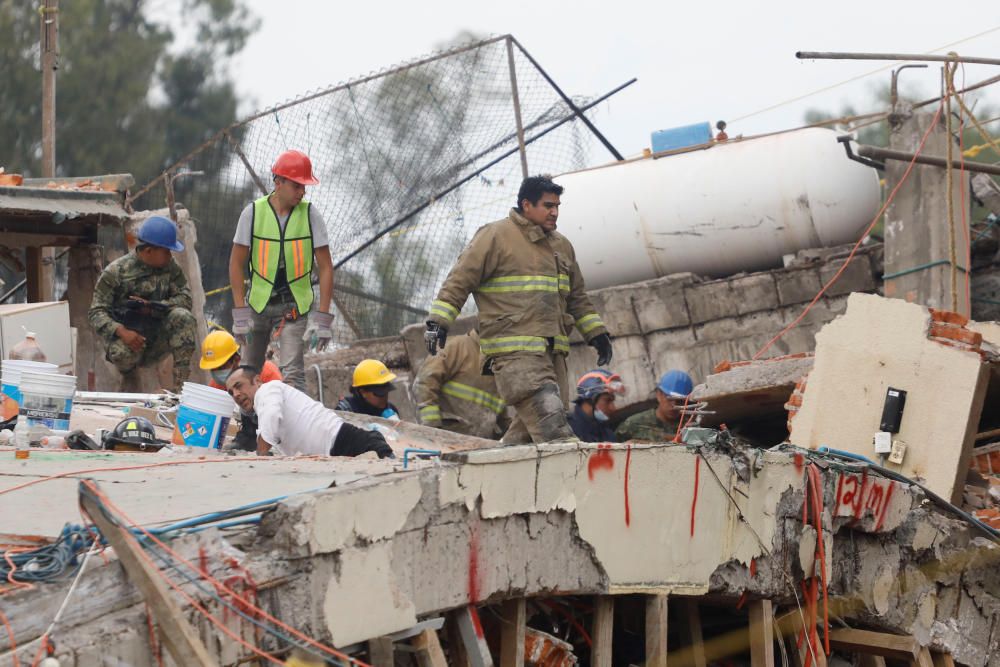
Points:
(161, 232)
(675, 384)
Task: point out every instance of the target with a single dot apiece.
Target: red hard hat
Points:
(295, 166)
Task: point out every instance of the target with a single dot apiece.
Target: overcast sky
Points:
(694, 61)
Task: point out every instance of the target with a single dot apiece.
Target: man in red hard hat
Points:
(280, 238)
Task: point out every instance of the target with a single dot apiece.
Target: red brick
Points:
(722, 366)
(949, 316)
(954, 332)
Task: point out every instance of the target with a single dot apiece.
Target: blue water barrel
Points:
(680, 137)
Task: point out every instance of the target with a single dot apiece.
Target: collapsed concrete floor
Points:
(716, 526)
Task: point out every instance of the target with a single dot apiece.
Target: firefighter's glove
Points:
(435, 337)
(242, 324)
(320, 331)
(602, 343)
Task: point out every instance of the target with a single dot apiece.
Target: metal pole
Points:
(477, 172)
(517, 108)
(886, 154)
(579, 113)
(919, 57)
(41, 260)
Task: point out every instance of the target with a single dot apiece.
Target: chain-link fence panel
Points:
(411, 161)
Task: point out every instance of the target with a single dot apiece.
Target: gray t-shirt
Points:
(244, 228)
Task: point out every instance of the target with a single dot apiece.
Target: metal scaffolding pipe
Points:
(877, 153)
(918, 57)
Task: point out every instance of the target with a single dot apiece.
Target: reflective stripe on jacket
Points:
(452, 392)
(270, 244)
(527, 286)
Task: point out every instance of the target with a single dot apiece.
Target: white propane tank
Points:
(737, 206)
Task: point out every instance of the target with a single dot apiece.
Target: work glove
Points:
(435, 337)
(602, 343)
(320, 331)
(242, 324)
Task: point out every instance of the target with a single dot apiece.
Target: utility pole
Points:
(40, 261)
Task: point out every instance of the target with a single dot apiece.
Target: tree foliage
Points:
(135, 90)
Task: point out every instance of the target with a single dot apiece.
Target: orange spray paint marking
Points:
(799, 463)
(474, 566)
(753, 567)
(628, 461)
(694, 499)
(600, 460)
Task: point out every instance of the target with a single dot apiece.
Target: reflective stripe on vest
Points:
(472, 395)
(506, 344)
(588, 323)
(509, 284)
(269, 244)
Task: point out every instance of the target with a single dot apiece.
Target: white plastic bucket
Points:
(202, 417)
(10, 383)
(47, 399)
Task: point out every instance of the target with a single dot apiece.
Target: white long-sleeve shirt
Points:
(292, 422)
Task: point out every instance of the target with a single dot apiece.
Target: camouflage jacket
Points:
(646, 427)
(129, 276)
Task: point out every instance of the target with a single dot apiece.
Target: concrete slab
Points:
(755, 389)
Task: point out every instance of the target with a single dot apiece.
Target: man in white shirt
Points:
(290, 423)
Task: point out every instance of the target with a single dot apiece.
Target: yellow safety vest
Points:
(295, 244)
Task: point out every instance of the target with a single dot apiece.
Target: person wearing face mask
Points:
(594, 404)
(370, 387)
(220, 355)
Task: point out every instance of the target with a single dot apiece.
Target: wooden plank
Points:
(761, 633)
(692, 622)
(177, 634)
(428, 649)
(381, 652)
(473, 639)
(33, 274)
(513, 616)
(868, 660)
(656, 630)
(899, 647)
(941, 660)
(604, 618)
(923, 658)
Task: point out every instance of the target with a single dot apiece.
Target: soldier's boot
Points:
(183, 330)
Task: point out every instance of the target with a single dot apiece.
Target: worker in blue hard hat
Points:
(660, 424)
(142, 306)
(594, 404)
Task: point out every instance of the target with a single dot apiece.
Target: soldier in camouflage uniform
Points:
(142, 305)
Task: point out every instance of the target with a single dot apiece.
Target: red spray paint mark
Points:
(800, 462)
(694, 499)
(600, 460)
(885, 505)
(628, 461)
(474, 565)
(742, 601)
(476, 624)
(753, 567)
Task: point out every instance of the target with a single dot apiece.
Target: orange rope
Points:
(13, 642)
(794, 323)
(218, 584)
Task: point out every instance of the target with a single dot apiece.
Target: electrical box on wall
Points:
(892, 410)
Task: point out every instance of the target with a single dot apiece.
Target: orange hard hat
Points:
(295, 166)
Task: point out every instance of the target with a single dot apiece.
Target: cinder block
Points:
(731, 328)
(797, 285)
(614, 305)
(857, 277)
(660, 304)
(754, 293)
(710, 301)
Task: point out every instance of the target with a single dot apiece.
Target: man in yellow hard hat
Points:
(220, 354)
(370, 389)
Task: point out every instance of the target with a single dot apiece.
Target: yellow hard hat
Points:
(371, 371)
(217, 348)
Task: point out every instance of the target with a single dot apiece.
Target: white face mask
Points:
(600, 416)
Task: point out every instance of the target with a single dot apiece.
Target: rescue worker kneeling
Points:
(594, 405)
(289, 422)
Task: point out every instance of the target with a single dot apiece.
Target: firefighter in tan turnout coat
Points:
(453, 394)
(530, 293)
